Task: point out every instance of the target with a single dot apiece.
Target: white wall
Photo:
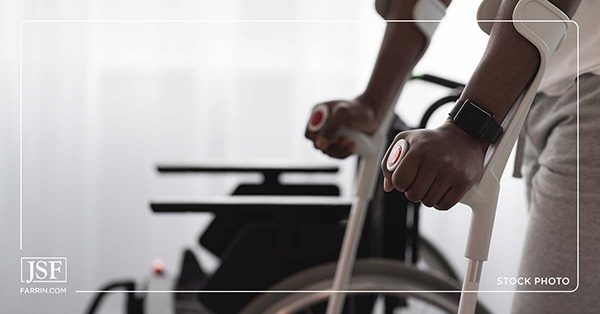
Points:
(103, 102)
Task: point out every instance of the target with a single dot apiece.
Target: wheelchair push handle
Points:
(364, 143)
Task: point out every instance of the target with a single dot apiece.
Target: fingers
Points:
(450, 198)
(406, 172)
(422, 183)
(419, 177)
(341, 150)
(327, 135)
(324, 132)
(436, 191)
(387, 185)
(439, 167)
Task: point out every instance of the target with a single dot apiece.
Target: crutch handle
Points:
(396, 154)
(318, 118)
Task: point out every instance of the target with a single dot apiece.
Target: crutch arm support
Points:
(545, 26)
(426, 13)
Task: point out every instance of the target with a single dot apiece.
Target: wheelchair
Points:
(282, 237)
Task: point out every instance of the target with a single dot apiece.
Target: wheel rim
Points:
(381, 285)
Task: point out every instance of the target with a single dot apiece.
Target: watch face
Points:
(472, 118)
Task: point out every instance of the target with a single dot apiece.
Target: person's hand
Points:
(353, 114)
(439, 167)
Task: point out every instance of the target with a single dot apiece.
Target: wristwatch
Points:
(475, 120)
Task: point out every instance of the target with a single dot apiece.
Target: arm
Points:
(402, 47)
(442, 164)
(508, 64)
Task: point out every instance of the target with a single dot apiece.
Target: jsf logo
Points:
(43, 269)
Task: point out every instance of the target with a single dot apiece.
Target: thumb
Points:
(387, 173)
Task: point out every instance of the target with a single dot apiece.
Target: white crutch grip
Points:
(318, 117)
(396, 154)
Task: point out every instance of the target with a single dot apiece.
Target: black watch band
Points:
(475, 120)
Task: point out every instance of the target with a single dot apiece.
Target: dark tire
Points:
(435, 260)
(374, 274)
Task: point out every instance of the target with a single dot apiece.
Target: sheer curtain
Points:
(103, 102)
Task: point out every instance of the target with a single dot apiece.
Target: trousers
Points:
(553, 245)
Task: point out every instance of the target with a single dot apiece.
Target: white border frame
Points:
(280, 21)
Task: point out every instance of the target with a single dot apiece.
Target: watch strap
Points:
(493, 132)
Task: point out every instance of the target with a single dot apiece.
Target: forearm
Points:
(509, 63)
(402, 46)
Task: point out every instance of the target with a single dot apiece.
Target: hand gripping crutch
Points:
(371, 149)
(545, 26)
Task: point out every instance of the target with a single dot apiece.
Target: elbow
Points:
(381, 7)
(399, 9)
(395, 9)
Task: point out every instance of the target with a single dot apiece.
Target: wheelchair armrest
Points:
(241, 204)
(264, 168)
(270, 185)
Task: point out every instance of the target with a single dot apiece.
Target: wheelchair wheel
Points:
(368, 275)
(434, 260)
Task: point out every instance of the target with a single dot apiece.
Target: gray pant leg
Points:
(551, 170)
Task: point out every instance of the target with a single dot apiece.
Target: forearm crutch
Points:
(371, 149)
(545, 26)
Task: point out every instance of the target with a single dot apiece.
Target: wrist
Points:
(372, 104)
(450, 126)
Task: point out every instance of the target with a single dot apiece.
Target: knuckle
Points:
(473, 179)
(459, 180)
(427, 202)
(309, 135)
(340, 111)
(442, 205)
(447, 204)
(332, 155)
(443, 161)
(328, 131)
(463, 181)
(331, 127)
(442, 208)
(398, 184)
(412, 195)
